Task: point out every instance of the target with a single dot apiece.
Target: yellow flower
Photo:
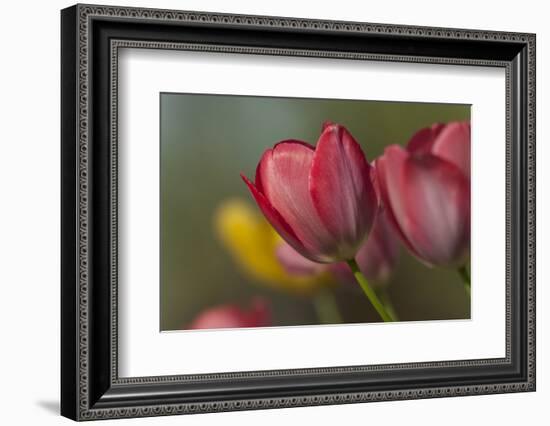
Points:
(252, 243)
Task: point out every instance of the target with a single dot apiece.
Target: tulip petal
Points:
(437, 209)
(374, 180)
(283, 176)
(341, 189)
(273, 216)
(391, 183)
(448, 141)
(233, 316)
(453, 144)
(326, 123)
(296, 264)
(266, 157)
(379, 254)
(423, 140)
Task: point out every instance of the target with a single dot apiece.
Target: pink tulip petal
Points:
(326, 124)
(219, 317)
(341, 189)
(436, 206)
(283, 175)
(260, 312)
(273, 217)
(374, 180)
(267, 156)
(453, 144)
(448, 141)
(423, 140)
(390, 174)
(296, 264)
(379, 254)
(428, 200)
(232, 316)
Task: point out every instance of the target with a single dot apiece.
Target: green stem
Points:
(326, 307)
(369, 292)
(465, 275)
(385, 298)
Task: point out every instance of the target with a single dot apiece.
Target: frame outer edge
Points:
(69, 279)
(80, 318)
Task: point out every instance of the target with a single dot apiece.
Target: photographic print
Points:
(292, 211)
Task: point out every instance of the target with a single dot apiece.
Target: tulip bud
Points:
(319, 199)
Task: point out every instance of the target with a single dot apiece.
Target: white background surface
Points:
(146, 352)
(29, 225)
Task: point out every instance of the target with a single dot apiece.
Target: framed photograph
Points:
(263, 212)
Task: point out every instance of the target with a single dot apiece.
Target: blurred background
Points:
(217, 252)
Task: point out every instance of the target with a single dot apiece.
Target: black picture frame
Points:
(90, 386)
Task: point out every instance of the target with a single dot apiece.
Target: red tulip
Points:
(319, 199)
(232, 316)
(426, 192)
